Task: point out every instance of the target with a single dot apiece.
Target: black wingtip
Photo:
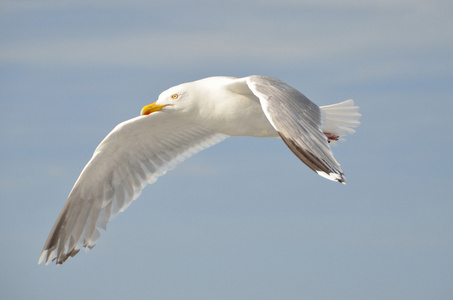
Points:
(313, 162)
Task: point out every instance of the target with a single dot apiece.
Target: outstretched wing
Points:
(298, 121)
(133, 154)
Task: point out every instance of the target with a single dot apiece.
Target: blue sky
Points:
(244, 219)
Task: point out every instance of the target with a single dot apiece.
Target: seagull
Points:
(186, 119)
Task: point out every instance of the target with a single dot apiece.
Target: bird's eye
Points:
(174, 96)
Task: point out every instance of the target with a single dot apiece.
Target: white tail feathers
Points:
(339, 119)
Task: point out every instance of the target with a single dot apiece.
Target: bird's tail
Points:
(340, 119)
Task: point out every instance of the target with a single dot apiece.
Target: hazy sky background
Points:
(244, 219)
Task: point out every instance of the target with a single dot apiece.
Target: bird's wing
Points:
(298, 121)
(133, 154)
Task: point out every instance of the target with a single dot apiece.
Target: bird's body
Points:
(185, 120)
(224, 109)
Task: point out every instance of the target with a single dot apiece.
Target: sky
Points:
(244, 219)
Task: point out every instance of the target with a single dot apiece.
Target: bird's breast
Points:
(235, 115)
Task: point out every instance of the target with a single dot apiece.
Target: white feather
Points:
(134, 154)
(341, 118)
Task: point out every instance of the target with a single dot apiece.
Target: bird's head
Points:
(174, 99)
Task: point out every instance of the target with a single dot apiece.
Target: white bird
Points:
(183, 121)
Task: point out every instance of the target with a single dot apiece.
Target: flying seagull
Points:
(184, 120)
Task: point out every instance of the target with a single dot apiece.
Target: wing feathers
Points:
(134, 154)
(298, 121)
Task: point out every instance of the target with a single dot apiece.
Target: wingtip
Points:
(333, 176)
(43, 258)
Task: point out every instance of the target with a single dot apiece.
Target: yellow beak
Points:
(153, 107)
